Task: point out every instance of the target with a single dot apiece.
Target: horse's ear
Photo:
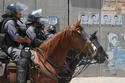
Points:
(77, 22)
(95, 33)
(93, 36)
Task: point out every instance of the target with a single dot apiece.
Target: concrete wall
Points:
(55, 8)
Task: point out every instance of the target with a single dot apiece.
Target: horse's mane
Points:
(49, 45)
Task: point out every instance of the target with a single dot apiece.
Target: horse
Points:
(51, 54)
(75, 65)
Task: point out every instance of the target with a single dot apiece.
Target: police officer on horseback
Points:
(51, 31)
(53, 20)
(15, 40)
(35, 29)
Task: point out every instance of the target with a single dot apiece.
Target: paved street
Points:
(99, 80)
(97, 74)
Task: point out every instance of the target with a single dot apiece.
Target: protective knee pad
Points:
(22, 66)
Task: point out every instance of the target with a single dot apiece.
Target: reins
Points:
(51, 75)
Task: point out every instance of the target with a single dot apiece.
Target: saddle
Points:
(5, 63)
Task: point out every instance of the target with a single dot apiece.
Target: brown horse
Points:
(56, 49)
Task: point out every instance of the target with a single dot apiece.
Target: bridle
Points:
(87, 46)
(96, 47)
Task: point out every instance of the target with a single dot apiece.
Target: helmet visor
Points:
(20, 7)
(44, 20)
(37, 13)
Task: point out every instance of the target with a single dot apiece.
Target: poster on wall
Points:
(106, 19)
(53, 20)
(93, 19)
(84, 18)
(116, 19)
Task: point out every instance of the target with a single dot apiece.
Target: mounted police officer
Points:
(51, 31)
(15, 40)
(35, 29)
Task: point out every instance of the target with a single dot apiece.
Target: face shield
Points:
(44, 20)
(20, 7)
(14, 8)
(37, 13)
(95, 44)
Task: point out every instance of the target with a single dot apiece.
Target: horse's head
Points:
(87, 44)
(78, 39)
(101, 55)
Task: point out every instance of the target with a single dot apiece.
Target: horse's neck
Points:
(60, 52)
(58, 48)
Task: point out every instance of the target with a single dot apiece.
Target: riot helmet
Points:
(13, 8)
(32, 17)
(51, 29)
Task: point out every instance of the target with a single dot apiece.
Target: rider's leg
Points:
(22, 66)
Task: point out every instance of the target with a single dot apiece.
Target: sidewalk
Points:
(98, 80)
